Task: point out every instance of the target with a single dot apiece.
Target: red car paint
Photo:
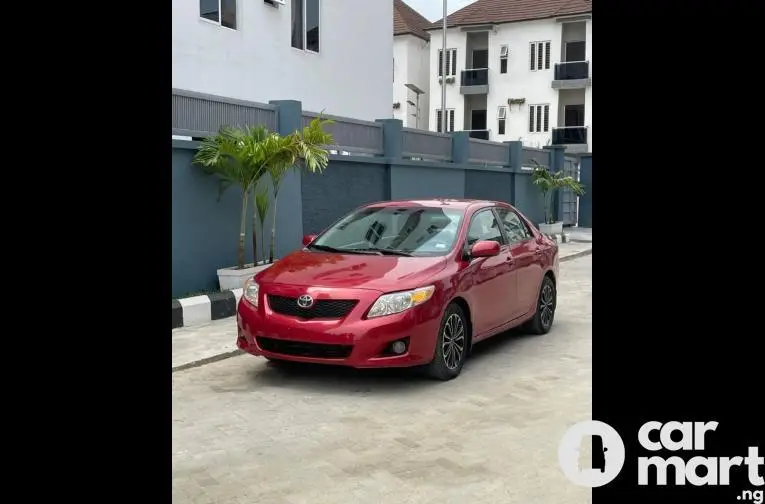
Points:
(499, 292)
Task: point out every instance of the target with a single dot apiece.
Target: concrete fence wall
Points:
(388, 162)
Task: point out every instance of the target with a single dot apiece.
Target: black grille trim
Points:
(323, 308)
(304, 349)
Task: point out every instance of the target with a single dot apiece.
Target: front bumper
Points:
(350, 341)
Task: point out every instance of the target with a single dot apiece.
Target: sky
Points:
(434, 9)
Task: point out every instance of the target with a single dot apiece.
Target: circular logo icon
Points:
(305, 301)
(606, 457)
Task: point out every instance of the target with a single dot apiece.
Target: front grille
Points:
(325, 308)
(304, 349)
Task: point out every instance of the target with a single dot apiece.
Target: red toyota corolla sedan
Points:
(403, 283)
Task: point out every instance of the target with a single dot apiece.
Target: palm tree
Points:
(548, 182)
(304, 149)
(261, 209)
(230, 156)
(241, 156)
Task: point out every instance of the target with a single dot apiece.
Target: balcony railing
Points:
(572, 70)
(569, 135)
(475, 77)
(479, 134)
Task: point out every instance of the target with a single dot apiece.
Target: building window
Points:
(539, 118)
(451, 62)
(501, 118)
(450, 120)
(504, 52)
(222, 12)
(306, 16)
(539, 56)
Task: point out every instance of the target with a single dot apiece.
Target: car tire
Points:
(448, 359)
(545, 313)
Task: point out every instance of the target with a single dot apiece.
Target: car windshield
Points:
(409, 230)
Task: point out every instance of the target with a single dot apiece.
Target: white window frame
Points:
(220, 16)
(451, 54)
(546, 57)
(449, 121)
(305, 30)
(504, 51)
(502, 119)
(538, 108)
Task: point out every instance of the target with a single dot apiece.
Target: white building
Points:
(411, 66)
(517, 70)
(333, 55)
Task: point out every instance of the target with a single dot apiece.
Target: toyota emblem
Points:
(305, 301)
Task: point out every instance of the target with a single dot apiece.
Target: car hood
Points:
(351, 271)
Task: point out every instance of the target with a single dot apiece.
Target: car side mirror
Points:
(484, 248)
(308, 239)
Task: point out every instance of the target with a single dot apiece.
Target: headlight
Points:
(397, 302)
(251, 290)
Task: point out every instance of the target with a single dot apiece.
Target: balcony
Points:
(572, 136)
(474, 81)
(479, 134)
(572, 75)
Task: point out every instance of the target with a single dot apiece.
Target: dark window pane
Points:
(503, 66)
(439, 122)
(208, 9)
(533, 56)
(297, 24)
(451, 120)
(547, 118)
(312, 25)
(547, 55)
(228, 19)
(531, 118)
(440, 62)
(575, 51)
(501, 127)
(539, 119)
(540, 50)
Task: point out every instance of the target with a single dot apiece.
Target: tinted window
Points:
(416, 230)
(515, 229)
(484, 227)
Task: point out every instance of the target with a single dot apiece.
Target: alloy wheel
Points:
(453, 344)
(547, 304)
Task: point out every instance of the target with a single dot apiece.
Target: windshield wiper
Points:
(325, 248)
(382, 251)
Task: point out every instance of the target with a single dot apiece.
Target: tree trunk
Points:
(544, 204)
(254, 230)
(273, 229)
(242, 230)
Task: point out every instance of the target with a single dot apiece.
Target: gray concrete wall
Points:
(411, 181)
(489, 185)
(343, 186)
(205, 230)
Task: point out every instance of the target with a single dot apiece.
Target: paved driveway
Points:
(245, 431)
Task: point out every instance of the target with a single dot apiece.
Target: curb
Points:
(576, 255)
(219, 305)
(202, 309)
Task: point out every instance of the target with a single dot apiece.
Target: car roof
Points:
(455, 203)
